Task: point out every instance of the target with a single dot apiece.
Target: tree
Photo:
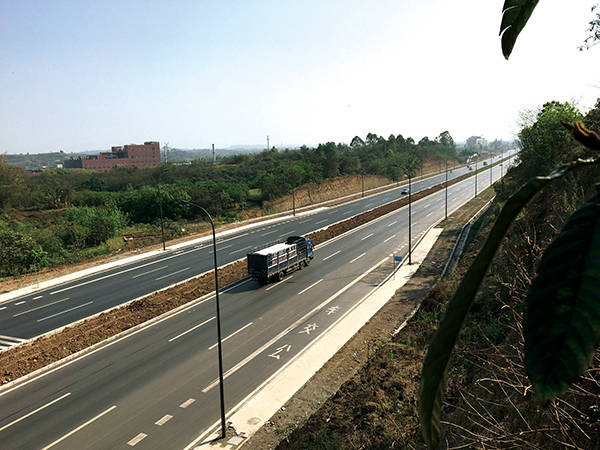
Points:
(544, 144)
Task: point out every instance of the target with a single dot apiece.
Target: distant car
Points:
(470, 168)
(485, 163)
(404, 191)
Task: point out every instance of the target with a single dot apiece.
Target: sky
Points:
(87, 75)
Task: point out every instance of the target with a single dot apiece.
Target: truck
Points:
(273, 262)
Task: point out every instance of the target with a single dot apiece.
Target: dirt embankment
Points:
(21, 360)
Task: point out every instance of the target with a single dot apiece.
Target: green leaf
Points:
(515, 14)
(433, 379)
(562, 325)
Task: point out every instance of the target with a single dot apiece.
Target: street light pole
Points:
(491, 165)
(476, 175)
(294, 201)
(446, 205)
(219, 345)
(409, 219)
(162, 222)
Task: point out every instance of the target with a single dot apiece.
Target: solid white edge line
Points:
(306, 289)
(192, 329)
(34, 411)
(231, 335)
(65, 311)
(93, 419)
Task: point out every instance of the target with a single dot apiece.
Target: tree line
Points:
(83, 209)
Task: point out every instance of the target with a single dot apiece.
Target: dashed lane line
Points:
(8, 425)
(40, 307)
(359, 256)
(312, 285)
(65, 311)
(38, 297)
(187, 403)
(137, 439)
(367, 236)
(93, 419)
(394, 222)
(278, 283)
(192, 329)
(240, 250)
(171, 274)
(150, 271)
(391, 237)
(164, 419)
(19, 303)
(231, 335)
(332, 255)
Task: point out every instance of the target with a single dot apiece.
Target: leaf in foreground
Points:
(562, 325)
(515, 14)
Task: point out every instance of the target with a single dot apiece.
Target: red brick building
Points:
(143, 156)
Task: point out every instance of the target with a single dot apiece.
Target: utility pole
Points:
(491, 165)
(294, 201)
(268, 148)
(166, 151)
(213, 153)
(362, 182)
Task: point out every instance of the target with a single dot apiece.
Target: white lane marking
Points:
(306, 289)
(350, 210)
(191, 329)
(332, 255)
(123, 271)
(269, 232)
(171, 274)
(164, 419)
(12, 338)
(137, 439)
(359, 256)
(240, 250)
(232, 335)
(429, 214)
(93, 419)
(278, 283)
(395, 221)
(3, 307)
(391, 237)
(232, 238)
(304, 221)
(39, 296)
(34, 411)
(150, 271)
(289, 233)
(19, 303)
(320, 221)
(300, 321)
(65, 311)
(187, 403)
(427, 205)
(40, 307)
(367, 236)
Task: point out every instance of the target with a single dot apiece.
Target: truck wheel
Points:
(306, 262)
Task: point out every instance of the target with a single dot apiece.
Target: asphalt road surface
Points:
(46, 310)
(157, 388)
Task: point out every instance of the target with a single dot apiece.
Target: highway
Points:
(157, 388)
(49, 309)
